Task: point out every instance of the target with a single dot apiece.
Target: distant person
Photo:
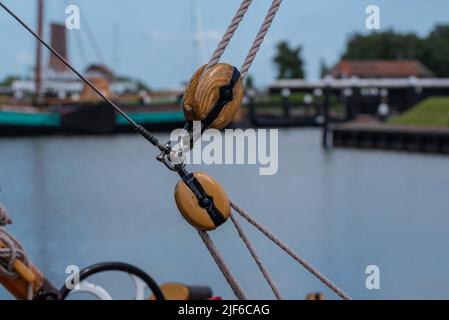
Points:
(383, 111)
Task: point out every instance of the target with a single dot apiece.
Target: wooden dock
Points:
(391, 137)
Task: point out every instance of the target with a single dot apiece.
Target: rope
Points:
(229, 33)
(290, 252)
(260, 37)
(232, 281)
(4, 218)
(257, 42)
(12, 251)
(256, 258)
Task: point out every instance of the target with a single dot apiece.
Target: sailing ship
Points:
(56, 101)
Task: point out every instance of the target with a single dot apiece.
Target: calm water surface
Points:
(81, 200)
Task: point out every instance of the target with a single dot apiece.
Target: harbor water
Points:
(79, 200)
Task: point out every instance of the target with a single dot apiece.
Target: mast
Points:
(38, 70)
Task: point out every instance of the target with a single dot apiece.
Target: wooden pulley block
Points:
(202, 201)
(214, 96)
(315, 296)
(179, 291)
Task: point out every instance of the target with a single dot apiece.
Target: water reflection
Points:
(81, 200)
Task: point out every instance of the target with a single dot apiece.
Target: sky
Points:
(156, 39)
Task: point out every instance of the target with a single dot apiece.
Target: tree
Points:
(288, 61)
(432, 51)
(435, 54)
(384, 45)
(7, 82)
(249, 82)
(324, 68)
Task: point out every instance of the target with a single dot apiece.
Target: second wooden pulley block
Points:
(213, 96)
(202, 201)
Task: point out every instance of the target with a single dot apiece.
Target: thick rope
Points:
(290, 252)
(232, 281)
(13, 251)
(256, 258)
(229, 33)
(260, 37)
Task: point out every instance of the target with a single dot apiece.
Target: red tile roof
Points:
(380, 69)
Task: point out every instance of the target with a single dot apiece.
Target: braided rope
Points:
(232, 281)
(13, 251)
(256, 258)
(260, 37)
(229, 33)
(290, 252)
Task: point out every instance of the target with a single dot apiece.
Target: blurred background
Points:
(361, 99)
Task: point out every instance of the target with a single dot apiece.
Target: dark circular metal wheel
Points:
(115, 266)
